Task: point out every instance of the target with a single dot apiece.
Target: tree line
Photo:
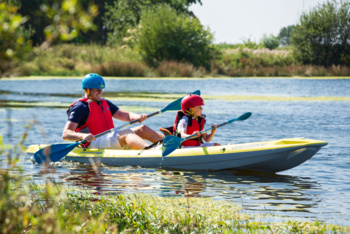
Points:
(159, 30)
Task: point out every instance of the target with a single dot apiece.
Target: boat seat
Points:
(167, 131)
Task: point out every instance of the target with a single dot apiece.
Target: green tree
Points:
(285, 34)
(66, 19)
(14, 39)
(271, 42)
(166, 35)
(123, 15)
(120, 17)
(181, 6)
(322, 36)
(57, 20)
(38, 20)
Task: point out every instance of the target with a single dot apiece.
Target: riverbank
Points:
(53, 208)
(77, 60)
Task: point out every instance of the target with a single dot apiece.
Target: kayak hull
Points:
(268, 156)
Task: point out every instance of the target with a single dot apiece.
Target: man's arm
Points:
(128, 116)
(69, 133)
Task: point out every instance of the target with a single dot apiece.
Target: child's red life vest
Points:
(100, 116)
(193, 125)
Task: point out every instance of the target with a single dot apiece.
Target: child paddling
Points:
(190, 121)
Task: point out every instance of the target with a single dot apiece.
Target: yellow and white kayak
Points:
(266, 156)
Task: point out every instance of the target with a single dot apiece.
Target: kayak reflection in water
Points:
(92, 115)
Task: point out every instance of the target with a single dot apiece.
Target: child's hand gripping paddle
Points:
(171, 143)
(56, 152)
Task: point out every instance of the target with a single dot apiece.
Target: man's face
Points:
(96, 94)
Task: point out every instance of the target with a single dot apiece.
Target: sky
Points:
(235, 21)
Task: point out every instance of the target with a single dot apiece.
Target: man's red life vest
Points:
(100, 116)
(193, 125)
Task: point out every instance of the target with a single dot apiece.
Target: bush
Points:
(271, 42)
(322, 35)
(167, 35)
(249, 44)
(124, 69)
(77, 60)
(175, 69)
(248, 58)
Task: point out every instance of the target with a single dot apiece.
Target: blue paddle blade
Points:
(170, 143)
(245, 116)
(240, 118)
(54, 152)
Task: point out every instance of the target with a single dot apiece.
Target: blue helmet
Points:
(93, 80)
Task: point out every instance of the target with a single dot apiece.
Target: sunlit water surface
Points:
(318, 189)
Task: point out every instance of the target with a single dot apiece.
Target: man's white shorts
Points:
(108, 141)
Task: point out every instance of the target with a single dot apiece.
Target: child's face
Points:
(197, 111)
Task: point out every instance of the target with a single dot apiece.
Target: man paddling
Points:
(93, 114)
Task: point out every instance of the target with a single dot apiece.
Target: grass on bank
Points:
(78, 60)
(54, 208)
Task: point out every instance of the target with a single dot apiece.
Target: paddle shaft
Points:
(207, 130)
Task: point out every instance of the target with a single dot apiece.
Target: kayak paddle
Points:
(171, 143)
(56, 152)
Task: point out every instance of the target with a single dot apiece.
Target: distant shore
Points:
(68, 60)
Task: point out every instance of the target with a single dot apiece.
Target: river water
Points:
(311, 108)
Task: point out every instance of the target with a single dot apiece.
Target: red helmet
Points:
(191, 101)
